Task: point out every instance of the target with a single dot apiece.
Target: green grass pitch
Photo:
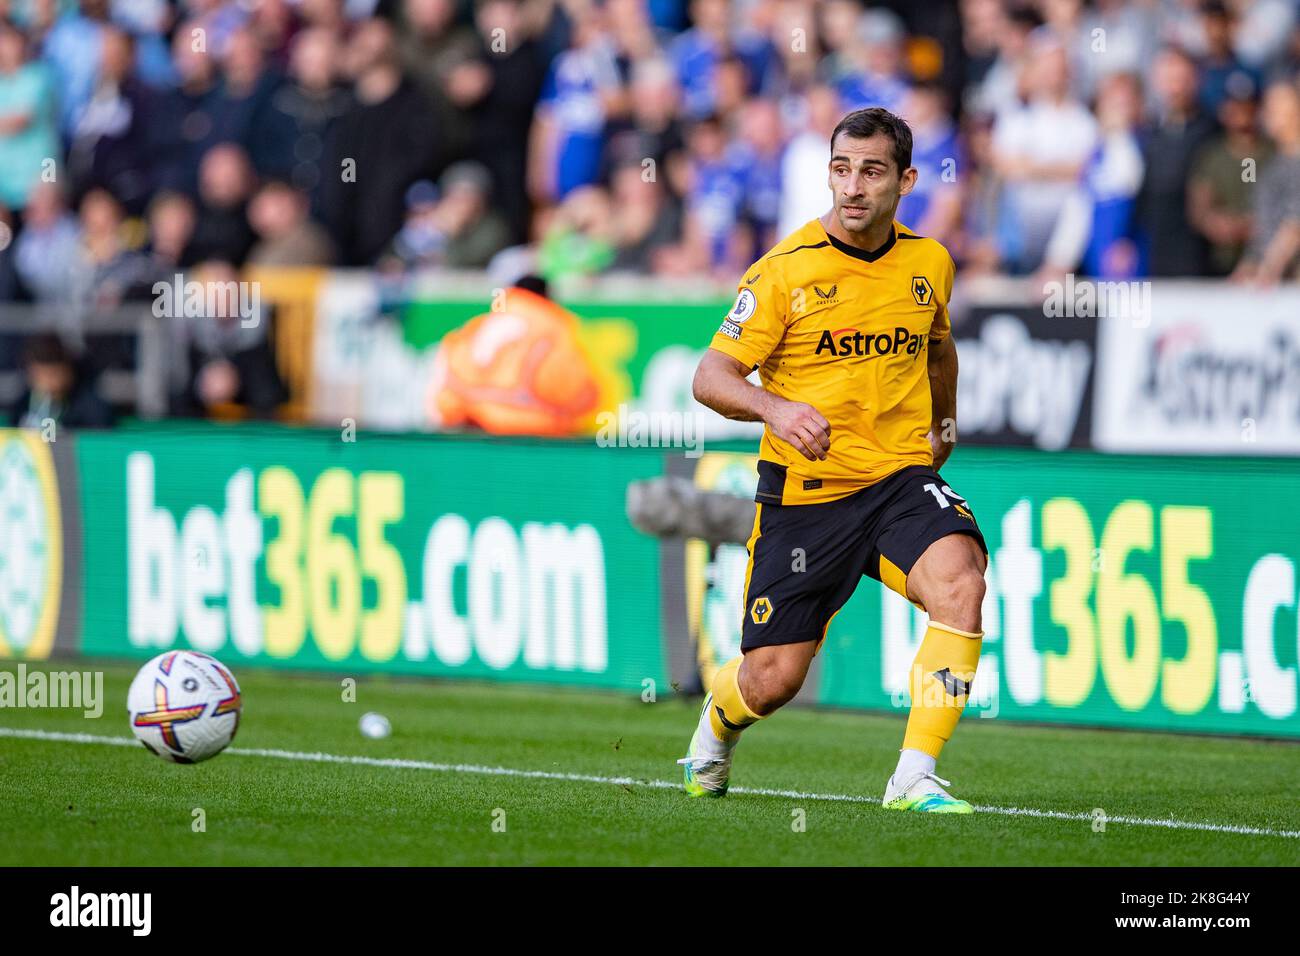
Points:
(92, 803)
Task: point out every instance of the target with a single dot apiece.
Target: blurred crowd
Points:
(1114, 138)
(672, 137)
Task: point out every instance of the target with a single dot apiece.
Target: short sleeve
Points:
(757, 320)
(941, 328)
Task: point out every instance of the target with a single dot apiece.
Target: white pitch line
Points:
(403, 764)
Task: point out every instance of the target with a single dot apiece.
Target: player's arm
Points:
(942, 366)
(721, 384)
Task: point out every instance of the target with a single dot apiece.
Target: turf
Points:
(64, 803)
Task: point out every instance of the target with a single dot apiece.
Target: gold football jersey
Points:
(847, 332)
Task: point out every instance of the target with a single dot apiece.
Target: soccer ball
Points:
(184, 706)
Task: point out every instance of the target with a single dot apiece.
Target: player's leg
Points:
(788, 606)
(744, 690)
(948, 581)
(931, 551)
(769, 677)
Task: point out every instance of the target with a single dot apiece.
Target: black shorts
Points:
(805, 561)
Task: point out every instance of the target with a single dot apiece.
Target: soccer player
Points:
(847, 322)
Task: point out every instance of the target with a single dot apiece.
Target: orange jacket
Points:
(519, 369)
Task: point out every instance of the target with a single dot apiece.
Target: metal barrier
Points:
(142, 386)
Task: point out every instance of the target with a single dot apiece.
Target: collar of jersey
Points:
(863, 254)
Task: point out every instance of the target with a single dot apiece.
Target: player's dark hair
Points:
(864, 124)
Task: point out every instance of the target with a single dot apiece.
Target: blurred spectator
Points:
(111, 144)
(219, 20)
(984, 208)
(805, 193)
(286, 235)
(474, 231)
(730, 86)
(1274, 246)
(1096, 230)
(713, 201)
(47, 243)
(1221, 184)
(149, 23)
(984, 22)
(453, 226)
(440, 57)
(104, 271)
(1223, 73)
(578, 238)
(718, 35)
(55, 391)
(171, 218)
(1040, 150)
(998, 90)
(246, 89)
(1112, 179)
(579, 94)
(837, 22)
(503, 114)
(1264, 28)
(1169, 144)
(632, 34)
(795, 40)
(1102, 39)
(275, 24)
(378, 149)
(875, 58)
(222, 358)
(652, 133)
(933, 207)
(646, 221)
(418, 243)
(330, 15)
(83, 264)
(188, 123)
(755, 158)
(289, 136)
(72, 49)
(28, 133)
(225, 186)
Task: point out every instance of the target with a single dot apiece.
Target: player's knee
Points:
(769, 683)
(958, 599)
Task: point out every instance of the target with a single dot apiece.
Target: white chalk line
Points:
(469, 768)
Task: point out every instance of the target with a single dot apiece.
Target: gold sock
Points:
(729, 714)
(941, 679)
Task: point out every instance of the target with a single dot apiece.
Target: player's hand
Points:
(942, 449)
(803, 427)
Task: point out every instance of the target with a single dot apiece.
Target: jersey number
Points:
(939, 494)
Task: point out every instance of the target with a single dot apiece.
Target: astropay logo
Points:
(77, 909)
(846, 342)
(1013, 383)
